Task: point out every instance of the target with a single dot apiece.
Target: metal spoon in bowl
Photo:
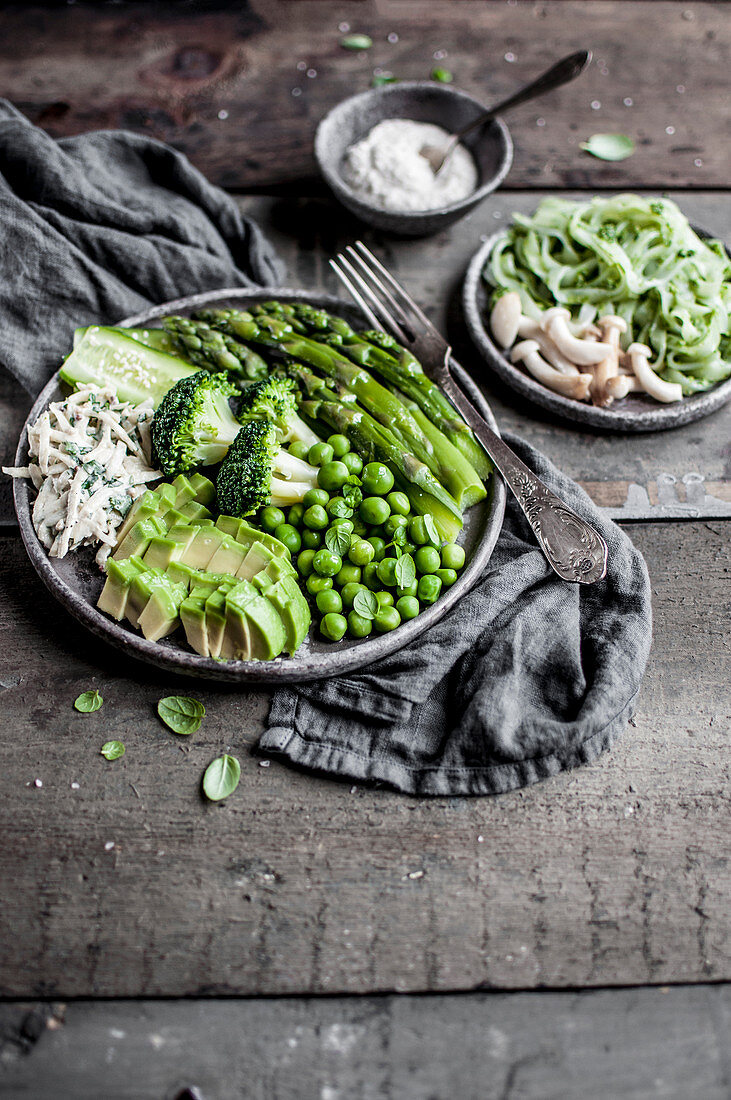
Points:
(560, 73)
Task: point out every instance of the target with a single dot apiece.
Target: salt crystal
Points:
(669, 129)
(540, 122)
(480, 840)
(108, 846)
(264, 763)
(296, 92)
(343, 27)
(223, 115)
(439, 55)
(393, 37)
(312, 73)
(628, 102)
(38, 782)
(510, 57)
(680, 88)
(301, 66)
(698, 162)
(75, 786)
(416, 874)
(595, 105)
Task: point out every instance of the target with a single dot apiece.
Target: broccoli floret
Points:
(257, 471)
(194, 425)
(275, 399)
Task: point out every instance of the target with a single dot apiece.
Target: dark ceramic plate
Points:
(635, 413)
(76, 580)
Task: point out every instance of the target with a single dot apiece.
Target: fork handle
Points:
(573, 548)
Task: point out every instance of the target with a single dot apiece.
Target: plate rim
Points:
(282, 670)
(660, 418)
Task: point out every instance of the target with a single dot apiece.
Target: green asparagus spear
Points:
(209, 349)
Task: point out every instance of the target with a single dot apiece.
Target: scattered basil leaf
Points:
(180, 714)
(352, 493)
(431, 531)
(221, 777)
(383, 78)
(339, 508)
(405, 571)
(356, 42)
(400, 536)
(112, 750)
(609, 146)
(337, 540)
(442, 76)
(365, 603)
(88, 701)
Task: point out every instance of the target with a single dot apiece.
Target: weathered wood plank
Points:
(307, 231)
(668, 1042)
(230, 83)
(128, 884)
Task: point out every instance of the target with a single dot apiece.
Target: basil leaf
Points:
(221, 777)
(405, 571)
(337, 539)
(442, 76)
(180, 714)
(340, 508)
(356, 42)
(609, 146)
(400, 536)
(365, 603)
(88, 701)
(112, 750)
(431, 531)
(352, 494)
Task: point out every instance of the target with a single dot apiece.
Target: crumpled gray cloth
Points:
(527, 676)
(97, 227)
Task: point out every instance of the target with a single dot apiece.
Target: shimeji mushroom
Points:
(504, 319)
(555, 322)
(621, 384)
(667, 392)
(531, 330)
(610, 328)
(571, 385)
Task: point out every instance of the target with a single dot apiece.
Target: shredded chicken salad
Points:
(90, 459)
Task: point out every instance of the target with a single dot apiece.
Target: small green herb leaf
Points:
(337, 539)
(112, 750)
(609, 146)
(383, 78)
(365, 603)
(353, 493)
(443, 76)
(405, 571)
(431, 531)
(180, 714)
(339, 508)
(356, 42)
(221, 777)
(88, 701)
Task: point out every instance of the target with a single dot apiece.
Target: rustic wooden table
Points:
(560, 941)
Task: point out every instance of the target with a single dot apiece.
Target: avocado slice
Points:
(194, 512)
(228, 558)
(138, 538)
(193, 618)
(215, 612)
(202, 547)
(153, 502)
(182, 574)
(254, 631)
(140, 590)
(203, 487)
(159, 616)
(273, 571)
(244, 533)
(161, 552)
(287, 599)
(113, 598)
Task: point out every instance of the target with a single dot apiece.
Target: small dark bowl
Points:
(421, 101)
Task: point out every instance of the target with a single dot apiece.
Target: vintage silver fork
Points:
(573, 548)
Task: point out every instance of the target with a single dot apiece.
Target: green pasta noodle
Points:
(636, 257)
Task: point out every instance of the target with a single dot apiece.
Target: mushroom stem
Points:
(582, 352)
(619, 385)
(504, 319)
(532, 330)
(576, 385)
(610, 328)
(666, 392)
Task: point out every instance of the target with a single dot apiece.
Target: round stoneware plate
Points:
(635, 413)
(76, 580)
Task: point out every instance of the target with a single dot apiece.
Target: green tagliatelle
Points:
(635, 257)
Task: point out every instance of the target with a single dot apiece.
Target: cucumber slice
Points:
(106, 357)
(156, 338)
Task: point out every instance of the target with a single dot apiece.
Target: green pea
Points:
(315, 497)
(400, 504)
(361, 552)
(394, 524)
(328, 601)
(417, 531)
(408, 608)
(271, 517)
(304, 563)
(333, 626)
(387, 619)
(311, 540)
(387, 572)
(319, 454)
(379, 547)
(332, 476)
(338, 508)
(299, 449)
(326, 563)
(410, 590)
(427, 559)
(370, 576)
(374, 510)
(316, 518)
(349, 574)
(385, 599)
(358, 626)
(340, 445)
(315, 583)
(377, 479)
(295, 514)
(429, 589)
(353, 461)
(288, 535)
(348, 592)
(447, 577)
(452, 556)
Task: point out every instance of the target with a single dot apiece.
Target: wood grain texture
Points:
(668, 1042)
(218, 82)
(129, 884)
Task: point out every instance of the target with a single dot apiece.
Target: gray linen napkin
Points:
(527, 676)
(101, 226)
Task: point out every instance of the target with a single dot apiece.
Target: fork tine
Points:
(383, 320)
(355, 294)
(396, 286)
(400, 315)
